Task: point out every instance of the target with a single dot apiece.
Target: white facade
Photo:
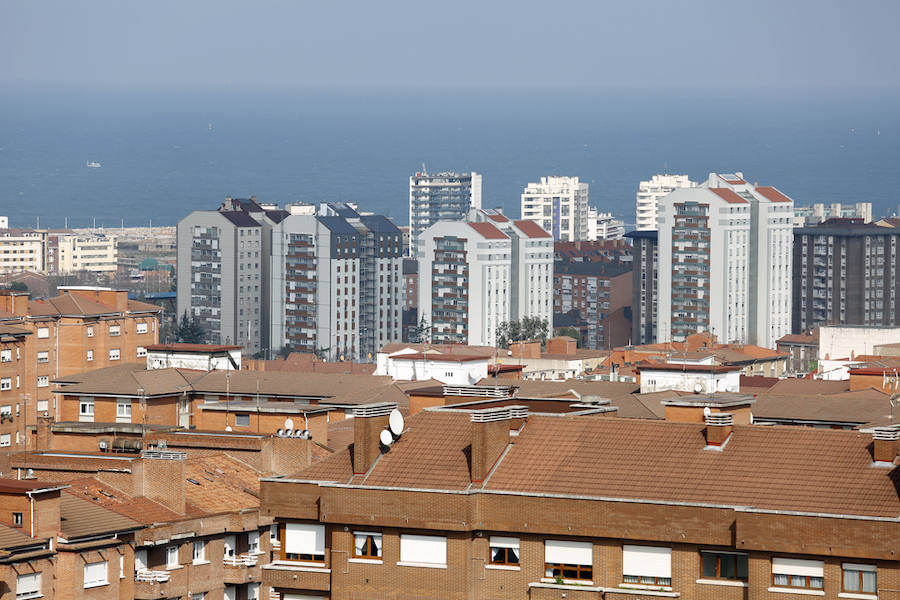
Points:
(649, 193)
(440, 197)
(839, 342)
(725, 255)
(603, 226)
(409, 365)
(559, 205)
(21, 250)
(704, 382)
(94, 253)
(228, 360)
(531, 271)
(469, 296)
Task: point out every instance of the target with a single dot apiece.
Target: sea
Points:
(166, 153)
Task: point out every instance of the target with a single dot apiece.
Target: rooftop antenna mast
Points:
(424, 170)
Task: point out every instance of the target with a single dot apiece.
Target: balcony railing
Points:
(151, 576)
(242, 560)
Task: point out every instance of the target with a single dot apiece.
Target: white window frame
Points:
(43, 333)
(90, 355)
(141, 352)
(115, 330)
(90, 331)
(6, 355)
(140, 328)
(140, 560)
(359, 539)
(43, 356)
(253, 543)
(43, 381)
(423, 551)
(253, 591)
(5, 383)
(858, 568)
(646, 562)
(121, 566)
(86, 409)
(5, 440)
(568, 552)
(497, 542)
(199, 553)
(115, 354)
(172, 558)
(28, 585)
(123, 410)
(95, 580)
(43, 405)
(797, 567)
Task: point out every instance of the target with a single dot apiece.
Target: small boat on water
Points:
(93, 164)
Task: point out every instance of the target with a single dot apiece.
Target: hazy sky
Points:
(554, 46)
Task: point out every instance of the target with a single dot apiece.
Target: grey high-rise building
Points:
(440, 197)
(643, 284)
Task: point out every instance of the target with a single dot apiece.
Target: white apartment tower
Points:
(725, 252)
(558, 205)
(482, 274)
(649, 193)
(440, 197)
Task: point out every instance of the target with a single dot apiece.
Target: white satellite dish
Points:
(228, 428)
(396, 423)
(280, 432)
(386, 437)
(288, 424)
(288, 433)
(706, 411)
(698, 388)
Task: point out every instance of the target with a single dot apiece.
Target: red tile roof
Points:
(772, 194)
(728, 195)
(488, 231)
(531, 229)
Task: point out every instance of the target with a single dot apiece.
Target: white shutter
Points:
(230, 592)
(304, 538)
(230, 545)
(504, 542)
(796, 566)
(140, 560)
(856, 567)
(430, 549)
(28, 584)
(567, 552)
(649, 561)
(94, 573)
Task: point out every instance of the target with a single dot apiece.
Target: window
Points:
(859, 578)
(121, 566)
(797, 573)
(28, 586)
(90, 355)
(253, 591)
(141, 328)
(504, 551)
(140, 560)
(723, 565)
(253, 542)
(242, 420)
(198, 596)
(304, 541)
(172, 557)
(568, 559)
(90, 331)
(123, 411)
(113, 354)
(5, 383)
(6, 355)
(43, 332)
(115, 330)
(17, 519)
(4, 440)
(86, 409)
(43, 381)
(199, 552)
(141, 352)
(647, 565)
(95, 574)
(424, 550)
(43, 357)
(366, 545)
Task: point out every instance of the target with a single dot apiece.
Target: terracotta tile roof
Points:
(80, 517)
(138, 306)
(17, 486)
(69, 304)
(658, 366)
(14, 537)
(810, 337)
(223, 484)
(772, 194)
(757, 381)
(395, 347)
(130, 379)
(488, 231)
(338, 467)
(531, 229)
(138, 508)
(809, 386)
(728, 196)
(779, 468)
(861, 406)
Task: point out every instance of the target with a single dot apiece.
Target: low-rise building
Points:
(802, 350)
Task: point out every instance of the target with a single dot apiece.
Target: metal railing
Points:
(151, 576)
(242, 560)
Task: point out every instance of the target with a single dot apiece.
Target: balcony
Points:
(146, 575)
(152, 585)
(242, 569)
(299, 576)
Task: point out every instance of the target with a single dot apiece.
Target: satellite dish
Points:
(288, 424)
(299, 433)
(698, 388)
(396, 423)
(386, 437)
(228, 428)
(706, 411)
(280, 432)
(288, 432)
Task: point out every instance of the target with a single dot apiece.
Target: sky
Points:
(546, 47)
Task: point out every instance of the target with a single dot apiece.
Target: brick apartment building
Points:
(79, 330)
(500, 503)
(599, 293)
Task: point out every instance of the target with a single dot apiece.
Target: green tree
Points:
(190, 331)
(528, 328)
(421, 333)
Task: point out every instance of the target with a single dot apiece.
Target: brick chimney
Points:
(368, 422)
(14, 302)
(44, 437)
(490, 437)
(884, 444)
(160, 477)
(718, 428)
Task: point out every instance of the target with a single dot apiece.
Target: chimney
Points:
(44, 437)
(368, 422)
(490, 437)
(718, 428)
(160, 477)
(14, 302)
(884, 444)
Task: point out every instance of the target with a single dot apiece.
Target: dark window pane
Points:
(709, 564)
(742, 569)
(498, 555)
(726, 562)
